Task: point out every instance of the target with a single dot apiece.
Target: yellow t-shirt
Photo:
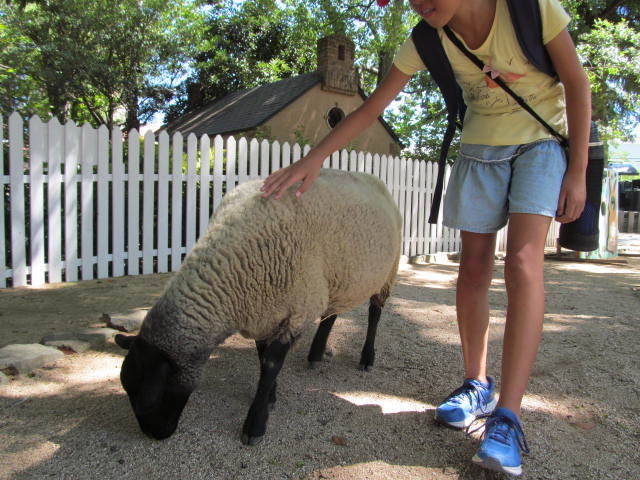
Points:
(493, 117)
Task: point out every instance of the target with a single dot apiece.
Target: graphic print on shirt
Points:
(483, 93)
(508, 77)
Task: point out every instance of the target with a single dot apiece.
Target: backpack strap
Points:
(527, 23)
(431, 51)
(432, 54)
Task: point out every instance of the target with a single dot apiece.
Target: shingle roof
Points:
(246, 109)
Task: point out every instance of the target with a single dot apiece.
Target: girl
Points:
(509, 167)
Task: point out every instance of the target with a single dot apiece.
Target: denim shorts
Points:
(487, 183)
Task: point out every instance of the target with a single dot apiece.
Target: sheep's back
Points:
(362, 247)
(347, 226)
(294, 258)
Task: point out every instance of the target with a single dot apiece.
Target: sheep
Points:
(267, 269)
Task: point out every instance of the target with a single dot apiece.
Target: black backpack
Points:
(527, 23)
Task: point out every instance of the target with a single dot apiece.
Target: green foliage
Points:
(120, 62)
(606, 33)
(246, 45)
(89, 58)
(263, 132)
(611, 56)
(301, 139)
(17, 88)
(585, 13)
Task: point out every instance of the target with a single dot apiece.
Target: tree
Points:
(93, 57)
(85, 59)
(247, 44)
(17, 88)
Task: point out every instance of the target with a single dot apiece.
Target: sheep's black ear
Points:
(125, 341)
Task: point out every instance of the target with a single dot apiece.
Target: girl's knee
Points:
(476, 262)
(522, 268)
(476, 272)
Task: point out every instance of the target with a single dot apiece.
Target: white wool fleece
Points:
(269, 268)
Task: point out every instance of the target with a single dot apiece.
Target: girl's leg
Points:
(472, 300)
(525, 311)
(476, 395)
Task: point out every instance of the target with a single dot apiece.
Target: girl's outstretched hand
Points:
(572, 198)
(305, 169)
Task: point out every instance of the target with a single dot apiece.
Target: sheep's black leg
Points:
(261, 345)
(319, 344)
(368, 351)
(255, 425)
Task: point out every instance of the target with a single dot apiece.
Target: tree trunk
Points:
(132, 111)
(132, 94)
(385, 60)
(58, 102)
(110, 110)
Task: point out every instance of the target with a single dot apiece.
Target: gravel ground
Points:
(581, 413)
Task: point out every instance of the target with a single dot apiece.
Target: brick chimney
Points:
(335, 64)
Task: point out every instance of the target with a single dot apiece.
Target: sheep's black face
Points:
(151, 382)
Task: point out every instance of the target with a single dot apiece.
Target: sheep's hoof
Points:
(251, 441)
(313, 364)
(365, 368)
(271, 405)
(328, 353)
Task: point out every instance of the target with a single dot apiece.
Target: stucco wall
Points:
(308, 115)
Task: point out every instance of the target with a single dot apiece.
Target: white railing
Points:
(74, 209)
(628, 221)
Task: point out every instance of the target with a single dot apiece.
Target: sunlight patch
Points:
(14, 463)
(73, 373)
(387, 403)
(574, 319)
(434, 276)
(596, 268)
(380, 470)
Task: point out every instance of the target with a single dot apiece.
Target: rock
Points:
(585, 425)
(3, 379)
(95, 336)
(23, 358)
(125, 322)
(439, 257)
(337, 440)
(77, 346)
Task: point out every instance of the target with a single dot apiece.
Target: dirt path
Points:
(581, 413)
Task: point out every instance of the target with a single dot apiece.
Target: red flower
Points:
(382, 3)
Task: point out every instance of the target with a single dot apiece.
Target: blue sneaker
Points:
(464, 404)
(502, 441)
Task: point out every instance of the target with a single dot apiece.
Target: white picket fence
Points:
(77, 211)
(628, 221)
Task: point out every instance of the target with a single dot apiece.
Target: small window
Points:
(335, 116)
(341, 52)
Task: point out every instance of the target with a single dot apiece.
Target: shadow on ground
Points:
(580, 414)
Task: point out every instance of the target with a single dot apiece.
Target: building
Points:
(298, 109)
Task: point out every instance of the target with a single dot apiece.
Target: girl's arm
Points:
(308, 168)
(578, 97)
